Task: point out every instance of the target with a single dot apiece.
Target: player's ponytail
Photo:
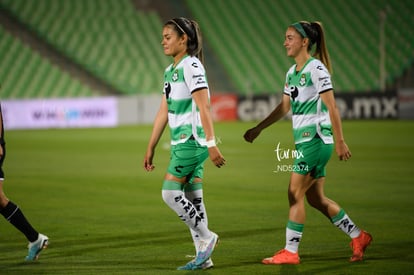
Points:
(196, 47)
(192, 30)
(321, 51)
(315, 33)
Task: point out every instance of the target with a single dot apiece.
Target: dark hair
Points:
(183, 26)
(315, 33)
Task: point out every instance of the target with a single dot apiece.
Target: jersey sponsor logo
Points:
(200, 81)
(326, 82)
(294, 92)
(167, 89)
(194, 64)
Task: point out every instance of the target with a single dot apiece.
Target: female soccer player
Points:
(185, 106)
(309, 93)
(12, 213)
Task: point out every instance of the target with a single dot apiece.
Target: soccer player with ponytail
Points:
(13, 214)
(308, 92)
(185, 107)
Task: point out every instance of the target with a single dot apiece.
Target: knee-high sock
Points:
(15, 216)
(194, 193)
(344, 222)
(187, 212)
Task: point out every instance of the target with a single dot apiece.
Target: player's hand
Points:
(1, 151)
(342, 151)
(148, 165)
(216, 156)
(252, 134)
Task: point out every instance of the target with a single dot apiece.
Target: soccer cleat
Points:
(359, 244)
(36, 247)
(206, 248)
(283, 257)
(207, 264)
(192, 266)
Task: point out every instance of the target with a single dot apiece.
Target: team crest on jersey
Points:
(302, 80)
(175, 76)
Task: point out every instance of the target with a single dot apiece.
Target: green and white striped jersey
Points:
(309, 114)
(183, 115)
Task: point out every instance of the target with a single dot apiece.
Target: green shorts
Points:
(312, 157)
(187, 160)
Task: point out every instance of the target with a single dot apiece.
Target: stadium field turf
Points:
(86, 189)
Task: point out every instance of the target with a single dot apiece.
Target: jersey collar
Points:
(182, 58)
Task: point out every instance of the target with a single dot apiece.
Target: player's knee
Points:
(166, 196)
(295, 195)
(171, 197)
(3, 199)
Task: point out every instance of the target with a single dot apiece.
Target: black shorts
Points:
(2, 157)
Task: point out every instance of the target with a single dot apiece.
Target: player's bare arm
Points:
(279, 112)
(341, 147)
(160, 123)
(203, 104)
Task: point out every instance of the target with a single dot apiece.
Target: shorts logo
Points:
(178, 168)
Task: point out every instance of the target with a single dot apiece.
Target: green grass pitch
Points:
(86, 189)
